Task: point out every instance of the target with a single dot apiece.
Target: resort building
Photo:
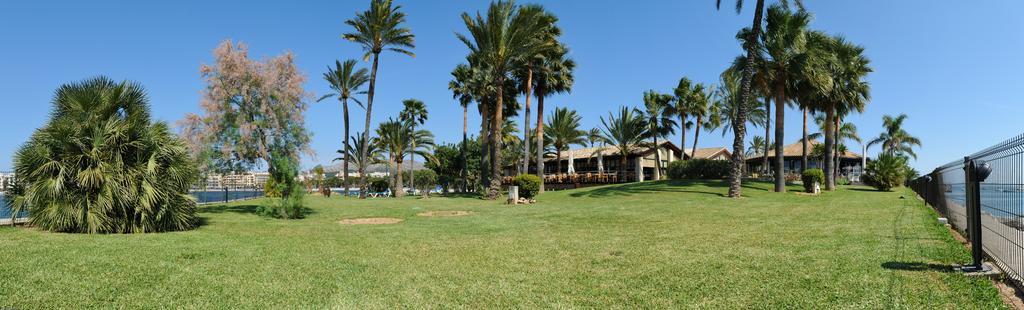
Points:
(792, 155)
(712, 153)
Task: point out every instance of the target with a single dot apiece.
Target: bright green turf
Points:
(651, 245)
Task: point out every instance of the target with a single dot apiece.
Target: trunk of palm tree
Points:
(739, 124)
(696, 136)
(412, 161)
(836, 141)
(830, 176)
(803, 151)
(767, 131)
(682, 137)
(540, 135)
(622, 166)
(780, 118)
(344, 161)
(485, 136)
(657, 159)
(398, 191)
(558, 158)
(465, 129)
(366, 125)
(495, 189)
(526, 122)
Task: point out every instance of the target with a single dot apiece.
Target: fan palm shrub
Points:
(563, 129)
(101, 165)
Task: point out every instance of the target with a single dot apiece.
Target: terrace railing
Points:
(983, 197)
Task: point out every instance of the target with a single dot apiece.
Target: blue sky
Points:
(953, 66)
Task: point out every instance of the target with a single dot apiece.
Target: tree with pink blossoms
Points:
(252, 114)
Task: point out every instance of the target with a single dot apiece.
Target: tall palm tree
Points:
(462, 89)
(736, 177)
(785, 42)
(499, 40)
(681, 108)
(524, 71)
(413, 112)
(377, 29)
(374, 153)
(626, 131)
(660, 122)
(850, 93)
(345, 81)
(553, 75)
(699, 108)
(895, 140)
(102, 165)
(563, 129)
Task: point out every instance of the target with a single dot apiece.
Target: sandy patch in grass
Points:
(445, 213)
(371, 221)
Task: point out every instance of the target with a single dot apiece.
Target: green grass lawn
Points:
(650, 245)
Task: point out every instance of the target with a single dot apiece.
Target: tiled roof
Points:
(796, 150)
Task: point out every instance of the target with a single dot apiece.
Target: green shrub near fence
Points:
(812, 176)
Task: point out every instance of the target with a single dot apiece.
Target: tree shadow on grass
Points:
(862, 189)
(242, 209)
(673, 186)
(917, 266)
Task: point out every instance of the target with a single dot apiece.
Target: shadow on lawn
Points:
(250, 209)
(917, 266)
(712, 187)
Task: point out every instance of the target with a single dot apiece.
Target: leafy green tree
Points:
(101, 165)
(413, 112)
(345, 81)
(563, 130)
(378, 29)
(625, 131)
(660, 123)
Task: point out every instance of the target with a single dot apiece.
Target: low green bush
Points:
(886, 172)
(699, 169)
(529, 185)
(378, 185)
(425, 181)
(812, 176)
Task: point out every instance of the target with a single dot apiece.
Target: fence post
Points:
(975, 172)
(225, 194)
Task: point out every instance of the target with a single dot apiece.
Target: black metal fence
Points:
(983, 198)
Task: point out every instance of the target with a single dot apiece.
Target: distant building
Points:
(640, 162)
(6, 181)
(237, 180)
(712, 153)
(792, 155)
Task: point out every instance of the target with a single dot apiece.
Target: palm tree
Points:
(563, 130)
(785, 42)
(377, 29)
(396, 138)
(727, 98)
(658, 117)
(462, 89)
(345, 81)
(681, 108)
(101, 165)
(698, 108)
(414, 112)
(374, 153)
(895, 140)
(553, 75)
(756, 147)
(849, 92)
(736, 177)
(498, 41)
(626, 132)
(524, 71)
